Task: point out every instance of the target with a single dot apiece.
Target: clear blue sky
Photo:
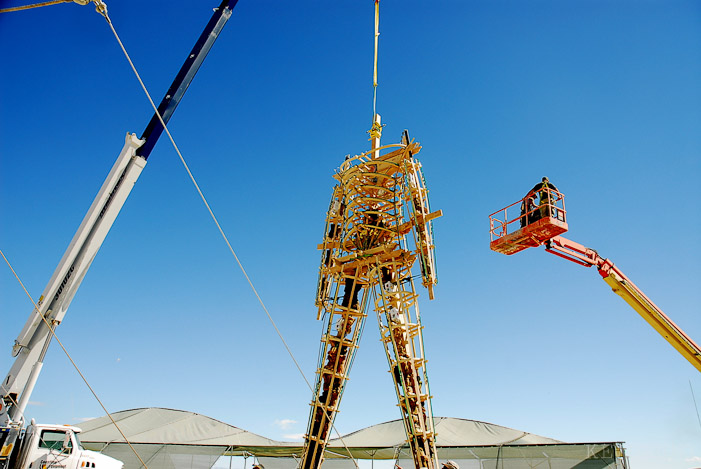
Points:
(601, 96)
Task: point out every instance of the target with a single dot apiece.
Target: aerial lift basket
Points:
(527, 223)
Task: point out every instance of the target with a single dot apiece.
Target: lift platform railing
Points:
(527, 211)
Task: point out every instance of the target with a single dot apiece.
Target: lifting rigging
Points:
(542, 224)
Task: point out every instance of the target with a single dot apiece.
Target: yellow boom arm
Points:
(627, 290)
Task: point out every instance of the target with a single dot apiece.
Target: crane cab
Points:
(528, 222)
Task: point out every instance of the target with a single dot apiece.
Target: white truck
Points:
(56, 446)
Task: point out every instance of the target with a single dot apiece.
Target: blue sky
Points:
(601, 96)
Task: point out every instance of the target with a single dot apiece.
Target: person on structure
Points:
(450, 465)
(350, 293)
(548, 195)
(528, 209)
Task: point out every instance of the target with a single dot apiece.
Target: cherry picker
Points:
(539, 219)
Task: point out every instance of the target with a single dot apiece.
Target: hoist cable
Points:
(34, 5)
(374, 74)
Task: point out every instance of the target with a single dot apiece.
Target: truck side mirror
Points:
(67, 447)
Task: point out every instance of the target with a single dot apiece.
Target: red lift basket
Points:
(518, 226)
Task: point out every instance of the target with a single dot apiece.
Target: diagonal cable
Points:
(82, 376)
(695, 406)
(214, 218)
(34, 5)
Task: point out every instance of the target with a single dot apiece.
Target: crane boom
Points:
(31, 345)
(632, 295)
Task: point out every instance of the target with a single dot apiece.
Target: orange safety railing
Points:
(527, 211)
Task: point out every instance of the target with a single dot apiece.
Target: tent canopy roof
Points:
(167, 426)
(175, 439)
(178, 427)
(451, 432)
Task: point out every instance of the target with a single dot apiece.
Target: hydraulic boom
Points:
(623, 287)
(534, 225)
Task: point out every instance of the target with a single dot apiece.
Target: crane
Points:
(32, 344)
(543, 222)
(367, 255)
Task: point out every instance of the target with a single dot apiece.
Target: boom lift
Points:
(378, 200)
(55, 445)
(542, 224)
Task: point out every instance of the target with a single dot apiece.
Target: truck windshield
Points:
(55, 439)
(59, 440)
(78, 444)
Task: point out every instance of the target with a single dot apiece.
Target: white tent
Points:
(175, 439)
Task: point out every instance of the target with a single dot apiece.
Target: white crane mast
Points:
(32, 343)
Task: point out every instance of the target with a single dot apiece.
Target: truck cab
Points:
(58, 447)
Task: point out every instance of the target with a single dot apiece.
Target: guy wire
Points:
(214, 218)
